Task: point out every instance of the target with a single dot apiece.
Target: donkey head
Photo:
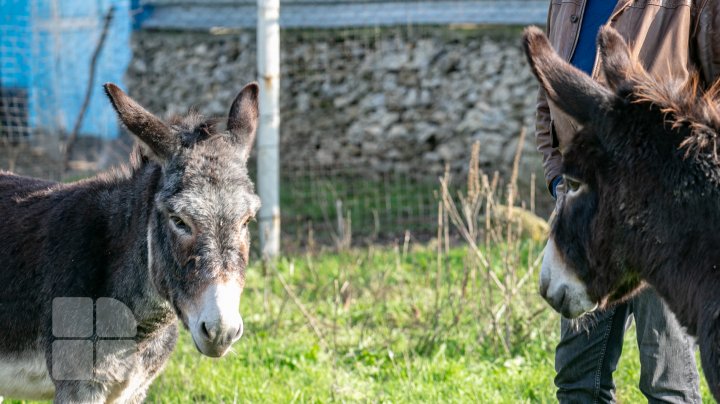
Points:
(619, 168)
(197, 239)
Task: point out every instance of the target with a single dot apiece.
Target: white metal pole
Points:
(268, 58)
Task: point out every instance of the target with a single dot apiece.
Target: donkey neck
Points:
(684, 267)
(127, 204)
(690, 295)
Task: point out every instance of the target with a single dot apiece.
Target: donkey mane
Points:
(194, 127)
(685, 103)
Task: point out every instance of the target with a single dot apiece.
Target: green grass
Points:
(376, 335)
(383, 337)
(289, 369)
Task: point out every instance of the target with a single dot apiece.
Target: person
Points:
(672, 39)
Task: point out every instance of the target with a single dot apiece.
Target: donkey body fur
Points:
(643, 204)
(156, 236)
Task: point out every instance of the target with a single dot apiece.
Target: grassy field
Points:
(384, 324)
(371, 332)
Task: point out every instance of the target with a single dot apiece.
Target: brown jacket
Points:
(670, 37)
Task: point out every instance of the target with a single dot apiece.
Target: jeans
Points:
(588, 353)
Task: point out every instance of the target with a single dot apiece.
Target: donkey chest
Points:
(25, 376)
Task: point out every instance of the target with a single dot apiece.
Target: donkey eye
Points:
(180, 224)
(571, 184)
(248, 220)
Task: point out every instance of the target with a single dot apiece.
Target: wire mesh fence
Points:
(338, 205)
(377, 97)
(373, 116)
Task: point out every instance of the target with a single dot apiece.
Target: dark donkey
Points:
(643, 200)
(164, 238)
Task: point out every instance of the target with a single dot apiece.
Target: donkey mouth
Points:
(212, 351)
(570, 305)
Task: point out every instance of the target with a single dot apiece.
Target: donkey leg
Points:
(79, 392)
(138, 388)
(153, 358)
(140, 394)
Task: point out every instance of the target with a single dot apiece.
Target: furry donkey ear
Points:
(243, 117)
(157, 139)
(573, 91)
(615, 59)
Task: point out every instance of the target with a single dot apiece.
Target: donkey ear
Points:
(615, 58)
(243, 117)
(573, 91)
(157, 140)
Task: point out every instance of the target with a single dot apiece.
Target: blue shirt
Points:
(597, 13)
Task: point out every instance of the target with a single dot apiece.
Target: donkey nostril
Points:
(561, 299)
(207, 333)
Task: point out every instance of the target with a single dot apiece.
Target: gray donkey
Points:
(94, 274)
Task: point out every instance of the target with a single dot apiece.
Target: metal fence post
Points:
(268, 59)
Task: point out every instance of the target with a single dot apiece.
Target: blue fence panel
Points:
(45, 49)
(14, 34)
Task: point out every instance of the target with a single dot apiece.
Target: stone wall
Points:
(395, 99)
